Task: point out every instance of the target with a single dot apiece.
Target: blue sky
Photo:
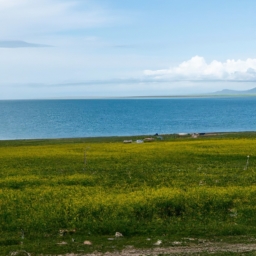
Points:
(95, 48)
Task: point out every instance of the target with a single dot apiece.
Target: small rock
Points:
(201, 241)
(118, 234)
(176, 243)
(189, 239)
(62, 243)
(87, 242)
(129, 246)
(148, 239)
(111, 239)
(19, 253)
(158, 242)
(64, 232)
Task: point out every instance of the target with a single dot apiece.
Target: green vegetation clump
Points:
(91, 188)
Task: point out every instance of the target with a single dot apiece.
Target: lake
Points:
(36, 119)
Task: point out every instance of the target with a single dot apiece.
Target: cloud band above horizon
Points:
(19, 44)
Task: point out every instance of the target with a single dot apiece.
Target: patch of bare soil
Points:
(178, 250)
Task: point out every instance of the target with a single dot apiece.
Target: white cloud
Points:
(22, 18)
(197, 69)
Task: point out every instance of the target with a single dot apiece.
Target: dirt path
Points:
(179, 250)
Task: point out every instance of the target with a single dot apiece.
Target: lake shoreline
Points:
(130, 137)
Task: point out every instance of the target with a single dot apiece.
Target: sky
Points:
(118, 48)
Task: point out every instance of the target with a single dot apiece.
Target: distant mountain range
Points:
(234, 92)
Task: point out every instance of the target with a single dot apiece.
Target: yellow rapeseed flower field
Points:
(183, 186)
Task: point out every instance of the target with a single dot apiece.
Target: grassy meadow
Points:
(170, 189)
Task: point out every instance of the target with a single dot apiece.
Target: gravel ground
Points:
(179, 250)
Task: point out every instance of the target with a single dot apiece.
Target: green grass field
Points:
(172, 189)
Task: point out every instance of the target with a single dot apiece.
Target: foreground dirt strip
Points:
(179, 250)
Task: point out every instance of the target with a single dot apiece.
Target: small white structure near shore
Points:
(127, 141)
(149, 139)
(182, 134)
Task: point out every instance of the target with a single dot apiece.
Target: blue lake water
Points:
(34, 119)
